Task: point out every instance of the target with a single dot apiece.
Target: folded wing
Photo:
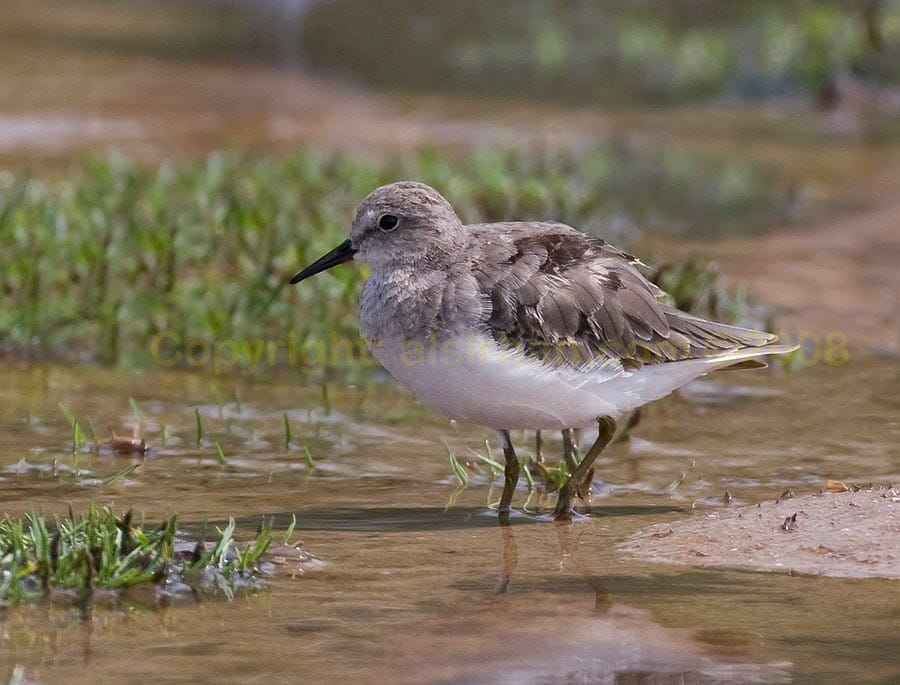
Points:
(572, 299)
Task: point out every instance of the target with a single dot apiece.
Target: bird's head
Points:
(400, 224)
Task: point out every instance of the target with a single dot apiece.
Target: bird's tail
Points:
(723, 345)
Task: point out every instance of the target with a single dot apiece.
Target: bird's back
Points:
(577, 300)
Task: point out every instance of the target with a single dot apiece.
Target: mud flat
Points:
(849, 534)
(834, 279)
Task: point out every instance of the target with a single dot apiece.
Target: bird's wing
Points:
(571, 298)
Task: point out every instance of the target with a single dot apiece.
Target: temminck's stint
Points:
(530, 325)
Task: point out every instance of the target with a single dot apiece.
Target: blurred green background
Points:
(167, 165)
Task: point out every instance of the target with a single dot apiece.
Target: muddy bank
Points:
(839, 278)
(842, 534)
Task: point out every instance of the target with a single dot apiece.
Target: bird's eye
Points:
(388, 222)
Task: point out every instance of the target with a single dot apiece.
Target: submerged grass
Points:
(462, 476)
(78, 437)
(123, 264)
(75, 555)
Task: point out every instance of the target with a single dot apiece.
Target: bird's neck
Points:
(406, 302)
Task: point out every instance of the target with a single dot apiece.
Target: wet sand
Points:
(842, 534)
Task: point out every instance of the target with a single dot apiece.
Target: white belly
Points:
(476, 381)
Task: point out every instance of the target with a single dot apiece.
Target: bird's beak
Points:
(342, 253)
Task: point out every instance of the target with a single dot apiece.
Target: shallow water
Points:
(416, 588)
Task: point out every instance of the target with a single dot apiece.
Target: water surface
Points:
(414, 587)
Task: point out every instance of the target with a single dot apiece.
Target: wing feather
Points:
(554, 289)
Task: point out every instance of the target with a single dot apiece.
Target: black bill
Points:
(342, 253)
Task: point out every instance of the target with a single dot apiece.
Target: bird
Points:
(529, 325)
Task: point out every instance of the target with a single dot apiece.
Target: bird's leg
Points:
(510, 473)
(569, 450)
(563, 510)
(570, 457)
(538, 448)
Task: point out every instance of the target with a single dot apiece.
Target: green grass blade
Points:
(138, 414)
(458, 469)
(220, 455)
(119, 475)
(310, 464)
(199, 425)
(287, 432)
(290, 530)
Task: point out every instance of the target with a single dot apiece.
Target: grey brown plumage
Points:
(573, 298)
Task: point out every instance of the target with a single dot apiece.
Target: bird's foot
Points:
(563, 509)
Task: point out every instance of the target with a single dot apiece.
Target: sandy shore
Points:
(843, 534)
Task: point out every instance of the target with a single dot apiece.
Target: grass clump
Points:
(73, 556)
(699, 288)
(124, 264)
